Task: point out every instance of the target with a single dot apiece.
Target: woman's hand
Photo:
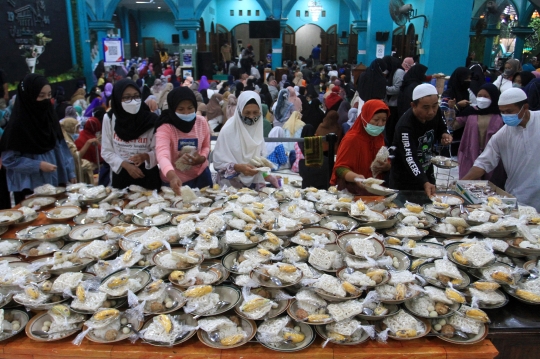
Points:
(139, 159)
(274, 180)
(47, 167)
(382, 166)
(245, 169)
(192, 159)
(463, 103)
(174, 182)
(134, 171)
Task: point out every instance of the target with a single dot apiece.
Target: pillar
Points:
(101, 27)
(521, 33)
(378, 19)
(277, 46)
(72, 46)
(361, 28)
(489, 33)
(85, 43)
(191, 26)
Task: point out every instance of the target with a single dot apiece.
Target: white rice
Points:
(330, 285)
(487, 272)
(447, 268)
(426, 251)
(478, 255)
(345, 310)
(404, 321)
(45, 189)
(8, 247)
(133, 284)
(93, 301)
(362, 247)
(204, 304)
(270, 329)
(479, 216)
(401, 277)
(359, 278)
(322, 258)
(236, 237)
(94, 250)
(420, 305)
(464, 324)
(437, 295)
(66, 281)
(490, 298)
(346, 327)
(274, 270)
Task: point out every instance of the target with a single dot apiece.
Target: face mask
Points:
(132, 106)
(309, 102)
(249, 121)
(75, 136)
(516, 85)
(508, 72)
(43, 105)
(221, 102)
(373, 130)
(186, 117)
(512, 119)
(84, 87)
(483, 102)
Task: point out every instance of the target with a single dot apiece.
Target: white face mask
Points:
(483, 102)
(132, 106)
(221, 102)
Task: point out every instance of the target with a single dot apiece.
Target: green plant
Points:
(26, 51)
(41, 39)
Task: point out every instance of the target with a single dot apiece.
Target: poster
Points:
(187, 57)
(113, 50)
(380, 51)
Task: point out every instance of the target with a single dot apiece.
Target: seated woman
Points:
(128, 140)
(83, 168)
(240, 140)
(177, 127)
(359, 148)
(480, 125)
(33, 148)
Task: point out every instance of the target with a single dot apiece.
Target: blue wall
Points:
(223, 8)
(158, 24)
(446, 39)
(332, 8)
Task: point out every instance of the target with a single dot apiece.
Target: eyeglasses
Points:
(129, 98)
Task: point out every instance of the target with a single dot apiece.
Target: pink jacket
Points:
(167, 153)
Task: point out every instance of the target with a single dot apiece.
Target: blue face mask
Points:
(186, 117)
(512, 119)
(373, 130)
(75, 136)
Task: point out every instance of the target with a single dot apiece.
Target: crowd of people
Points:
(151, 127)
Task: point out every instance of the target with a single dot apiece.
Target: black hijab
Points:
(174, 97)
(266, 97)
(414, 77)
(239, 89)
(372, 82)
(477, 78)
(33, 126)
(392, 65)
(493, 109)
(313, 115)
(129, 127)
(458, 87)
(533, 94)
(526, 77)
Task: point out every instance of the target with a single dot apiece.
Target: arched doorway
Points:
(240, 39)
(219, 36)
(410, 45)
(307, 37)
(404, 43)
(201, 37)
(353, 45)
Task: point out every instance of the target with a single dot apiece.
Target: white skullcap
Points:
(511, 96)
(424, 90)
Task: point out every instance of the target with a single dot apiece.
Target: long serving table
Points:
(22, 347)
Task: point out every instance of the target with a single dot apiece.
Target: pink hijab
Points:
(294, 99)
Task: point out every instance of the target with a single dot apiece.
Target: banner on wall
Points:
(113, 50)
(187, 57)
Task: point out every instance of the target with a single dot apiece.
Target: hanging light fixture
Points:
(315, 9)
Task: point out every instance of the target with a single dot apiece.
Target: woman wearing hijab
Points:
(343, 112)
(351, 119)
(180, 126)
(298, 77)
(293, 98)
(239, 89)
(162, 99)
(89, 134)
(414, 77)
(203, 83)
(157, 87)
(477, 80)
(231, 107)
(283, 82)
(83, 168)
(240, 140)
(266, 97)
(78, 98)
(273, 88)
(457, 91)
(250, 84)
(107, 93)
(214, 113)
(360, 147)
(372, 82)
(504, 81)
(393, 87)
(33, 148)
(314, 114)
(94, 105)
(330, 125)
(522, 79)
(293, 129)
(407, 63)
(282, 108)
(128, 141)
(480, 125)
(333, 101)
(95, 92)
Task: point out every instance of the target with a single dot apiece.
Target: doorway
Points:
(307, 37)
(149, 45)
(201, 37)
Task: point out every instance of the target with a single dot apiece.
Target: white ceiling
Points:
(132, 5)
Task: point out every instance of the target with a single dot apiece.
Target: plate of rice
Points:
(49, 232)
(10, 216)
(360, 245)
(9, 247)
(63, 213)
(41, 202)
(404, 326)
(88, 232)
(345, 332)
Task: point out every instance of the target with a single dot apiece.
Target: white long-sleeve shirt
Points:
(114, 150)
(518, 148)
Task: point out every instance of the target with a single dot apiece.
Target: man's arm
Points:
(474, 174)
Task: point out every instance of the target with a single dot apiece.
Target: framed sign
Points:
(113, 50)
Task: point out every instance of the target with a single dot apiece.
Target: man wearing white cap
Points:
(517, 145)
(416, 133)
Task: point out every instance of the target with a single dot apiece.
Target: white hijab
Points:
(276, 132)
(238, 143)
